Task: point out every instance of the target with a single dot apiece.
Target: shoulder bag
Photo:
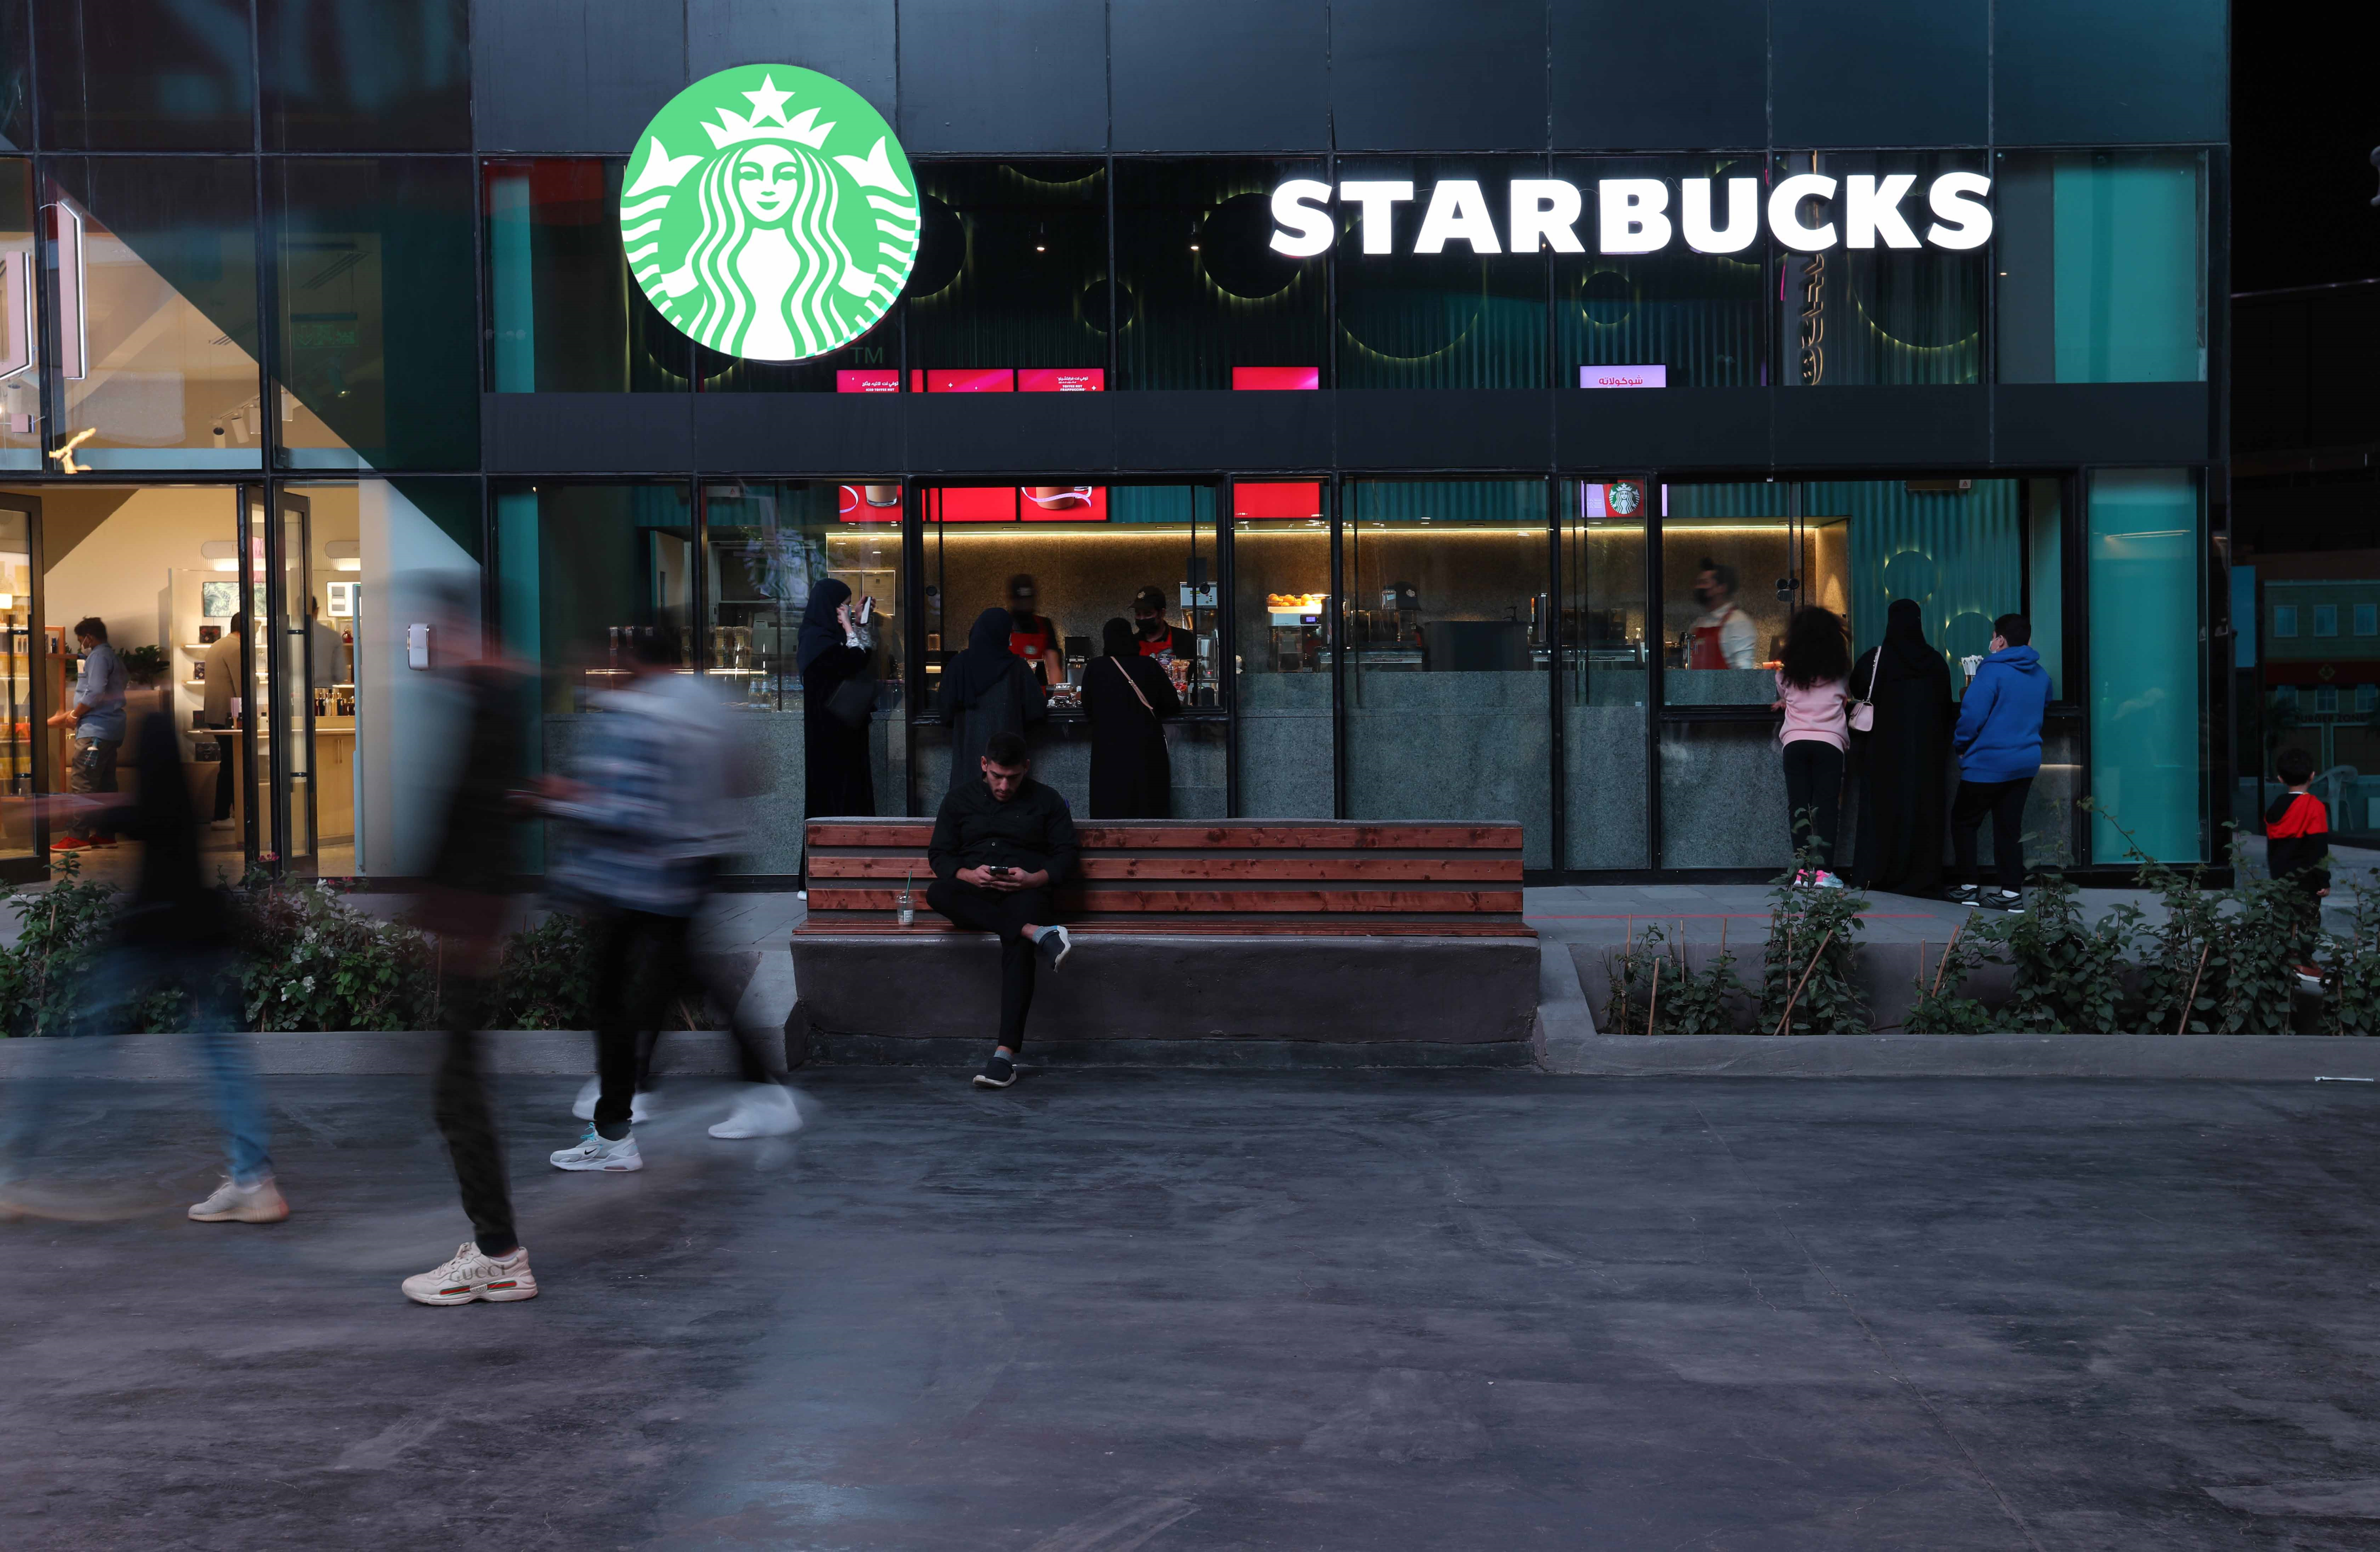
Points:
(1862, 709)
(1137, 692)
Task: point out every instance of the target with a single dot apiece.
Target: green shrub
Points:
(2352, 967)
(313, 961)
(64, 930)
(2070, 972)
(1807, 983)
(1942, 1005)
(543, 981)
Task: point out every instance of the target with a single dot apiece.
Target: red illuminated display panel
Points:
(868, 503)
(1008, 504)
(1061, 380)
(1276, 378)
(1252, 502)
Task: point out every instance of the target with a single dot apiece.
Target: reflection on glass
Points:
(1728, 574)
(1063, 559)
(770, 542)
(366, 75)
(1457, 318)
(146, 75)
(378, 364)
(1012, 267)
(20, 313)
(158, 340)
(1607, 653)
(1856, 316)
(2102, 257)
(1280, 566)
(1700, 317)
(564, 315)
(1449, 638)
(1207, 291)
(293, 684)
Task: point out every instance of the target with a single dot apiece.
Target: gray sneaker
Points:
(1056, 944)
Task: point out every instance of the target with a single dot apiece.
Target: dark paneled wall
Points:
(1058, 76)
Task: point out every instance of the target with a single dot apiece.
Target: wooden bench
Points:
(1343, 942)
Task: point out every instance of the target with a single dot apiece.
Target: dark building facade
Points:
(331, 300)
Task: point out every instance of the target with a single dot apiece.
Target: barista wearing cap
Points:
(1176, 650)
(1033, 637)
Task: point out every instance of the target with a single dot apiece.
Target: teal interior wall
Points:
(1960, 555)
(2129, 264)
(2146, 679)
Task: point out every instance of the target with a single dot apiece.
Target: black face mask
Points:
(1154, 628)
(1704, 596)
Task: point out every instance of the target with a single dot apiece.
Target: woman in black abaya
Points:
(1904, 759)
(987, 689)
(835, 779)
(1127, 698)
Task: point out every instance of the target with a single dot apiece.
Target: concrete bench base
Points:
(2231, 1058)
(1167, 1000)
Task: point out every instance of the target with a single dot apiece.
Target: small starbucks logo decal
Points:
(770, 213)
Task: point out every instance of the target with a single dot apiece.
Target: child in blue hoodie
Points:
(1998, 744)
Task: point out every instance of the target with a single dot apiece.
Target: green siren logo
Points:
(770, 213)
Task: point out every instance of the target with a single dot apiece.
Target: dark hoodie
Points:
(2297, 839)
(1999, 738)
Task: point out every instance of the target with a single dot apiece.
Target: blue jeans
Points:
(124, 975)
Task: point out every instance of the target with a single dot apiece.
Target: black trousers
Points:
(226, 773)
(467, 1122)
(1814, 781)
(641, 959)
(1004, 913)
(2003, 802)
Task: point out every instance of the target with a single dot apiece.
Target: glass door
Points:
(23, 837)
(294, 604)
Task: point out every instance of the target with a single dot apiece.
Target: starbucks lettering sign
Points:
(769, 212)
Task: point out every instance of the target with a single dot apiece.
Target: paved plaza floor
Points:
(1108, 1311)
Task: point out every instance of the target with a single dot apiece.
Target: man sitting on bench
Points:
(1000, 844)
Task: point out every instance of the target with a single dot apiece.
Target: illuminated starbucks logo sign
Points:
(769, 212)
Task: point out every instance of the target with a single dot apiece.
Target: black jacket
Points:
(2297, 839)
(1031, 831)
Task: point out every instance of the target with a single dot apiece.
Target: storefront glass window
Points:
(1455, 318)
(2102, 266)
(366, 75)
(2045, 562)
(1701, 317)
(1608, 644)
(770, 542)
(2146, 752)
(157, 326)
(1064, 560)
(580, 567)
(1728, 562)
(1011, 272)
(1448, 636)
(20, 313)
(146, 75)
(1882, 315)
(1281, 569)
(1954, 547)
(1203, 299)
(565, 316)
(16, 76)
(20, 665)
(377, 361)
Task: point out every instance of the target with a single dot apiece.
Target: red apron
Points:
(1709, 652)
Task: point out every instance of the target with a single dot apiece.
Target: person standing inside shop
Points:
(1810, 691)
(1723, 635)
(222, 660)
(1034, 637)
(830, 653)
(1001, 842)
(1998, 741)
(1127, 698)
(1904, 758)
(987, 691)
(1174, 649)
(94, 720)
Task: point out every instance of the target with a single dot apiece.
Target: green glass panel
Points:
(2146, 690)
(2130, 270)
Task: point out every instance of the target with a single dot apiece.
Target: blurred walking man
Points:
(651, 833)
(470, 880)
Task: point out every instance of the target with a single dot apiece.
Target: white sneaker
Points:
(473, 1276)
(234, 1203)
(597, 1152)
(763, 1110)
(640, 1109)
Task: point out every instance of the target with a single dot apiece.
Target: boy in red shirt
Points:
(2296, 849)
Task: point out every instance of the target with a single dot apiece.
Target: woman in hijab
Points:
(1127, 698)
(1904, 759)
(835, 779)
(987, 689)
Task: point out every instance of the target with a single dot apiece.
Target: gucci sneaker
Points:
(595, 1151)
(763, 1110)
(473, 1276)
(234, 1203)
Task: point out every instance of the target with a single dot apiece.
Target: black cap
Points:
(1149, 601)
